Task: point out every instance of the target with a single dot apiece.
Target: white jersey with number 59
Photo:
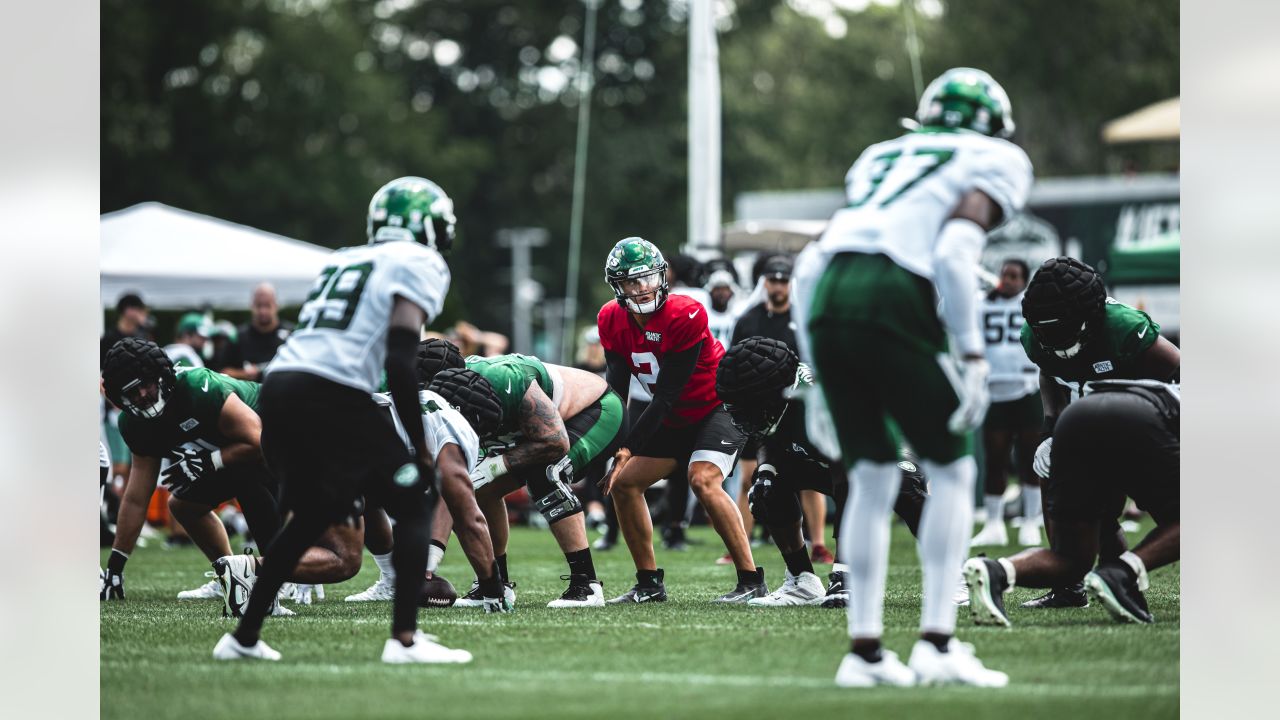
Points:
(900, 192)
(342, 328)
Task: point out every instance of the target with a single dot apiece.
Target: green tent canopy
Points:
(1155, 262)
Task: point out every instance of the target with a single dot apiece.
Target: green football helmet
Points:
(639, 265)
(414, 209)
(966, 99)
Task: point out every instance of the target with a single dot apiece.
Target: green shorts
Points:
(594, 435)
(1015, 416)
(876, 339)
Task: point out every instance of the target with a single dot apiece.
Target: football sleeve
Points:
(685, 331)
(604, 325)
(1140, 335)
(1003, 171)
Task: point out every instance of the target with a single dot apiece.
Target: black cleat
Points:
(647, 589)
(837, 595)
(987, 583)
(751, 587)
(1057, 598)
(1116, 586)
(673, 538)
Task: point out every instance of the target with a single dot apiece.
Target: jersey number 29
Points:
(334, 297)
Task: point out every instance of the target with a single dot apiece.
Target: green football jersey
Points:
(190, 415)
(1107, 355)
(511, 376)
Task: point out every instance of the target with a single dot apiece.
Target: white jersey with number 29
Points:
(900, 192)
(342, 328)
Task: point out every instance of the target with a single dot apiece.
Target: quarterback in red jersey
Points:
(665, 343)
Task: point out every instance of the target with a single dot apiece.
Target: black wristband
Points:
(116, 562)
(1046, 427)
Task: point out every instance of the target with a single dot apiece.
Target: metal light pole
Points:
(522, 286)
(585, 81)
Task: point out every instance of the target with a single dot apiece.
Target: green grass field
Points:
(684, 658)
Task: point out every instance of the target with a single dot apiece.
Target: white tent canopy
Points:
(177, 259)
(1160, 121)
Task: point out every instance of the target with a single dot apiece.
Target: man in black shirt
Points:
(133, 320)
(259, 338)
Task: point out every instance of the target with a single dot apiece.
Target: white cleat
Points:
(236, 577)
(855, 672)
(228, 648)
(1029, 533)
(208, 591)
(993, 533)
(384, 589)
(424, 649)
(475, 599)
(796, 590)
(957, 666)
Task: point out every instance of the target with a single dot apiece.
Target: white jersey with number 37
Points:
(900, 192)
(342, 329)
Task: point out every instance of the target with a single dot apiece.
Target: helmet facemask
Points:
(1061, 336)
(758, 421)
(134, 397)
(644, 293)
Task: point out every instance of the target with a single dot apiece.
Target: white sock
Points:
(1031, 502)
(385, 568)
(995, 508)
(864, 543)
(945, 525)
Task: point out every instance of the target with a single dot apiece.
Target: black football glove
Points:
(189, 465)
(113, 577)
(758, 495)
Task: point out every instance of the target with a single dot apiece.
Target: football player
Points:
(756, 379)
(555, 424)
(324, 435)
(665, 343)
(1013, 421)
(1120, 440)
(204, 423)
(919, 208)
(1076, 334)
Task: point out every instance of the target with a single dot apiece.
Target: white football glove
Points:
(1041, 462)
(488, 470)
(302, 593)
(969, 379)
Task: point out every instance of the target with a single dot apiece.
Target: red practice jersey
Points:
(678, 325)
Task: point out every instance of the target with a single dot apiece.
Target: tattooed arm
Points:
(544, 439)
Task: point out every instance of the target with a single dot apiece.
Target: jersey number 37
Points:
(334, 297)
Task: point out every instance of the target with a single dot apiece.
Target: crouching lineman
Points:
(553, 424)
(206, 425)
(1076, 334)
(755, 380)
(445, 427)
(665, 343)
(323, 434)
(1120, 440)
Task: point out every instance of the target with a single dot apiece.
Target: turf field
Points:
(684, 658)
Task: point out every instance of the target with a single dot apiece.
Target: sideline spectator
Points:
(720, 314)
(133, 320)
(259, 338)
(187, 349)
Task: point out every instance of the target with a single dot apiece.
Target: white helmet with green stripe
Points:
(966, 99)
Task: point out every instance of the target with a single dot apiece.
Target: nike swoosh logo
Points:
(695, 312)
(1144, 332)
(206, 382)
(723, 442)
(508, 386)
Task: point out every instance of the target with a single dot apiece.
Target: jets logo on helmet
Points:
(966, 99)
(138, 376)
(637, 272)
(414, 209)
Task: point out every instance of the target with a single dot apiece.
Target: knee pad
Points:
(552, 495)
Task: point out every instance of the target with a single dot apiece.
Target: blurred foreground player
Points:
(919, 208)
(1120, 440)
(323, 433)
